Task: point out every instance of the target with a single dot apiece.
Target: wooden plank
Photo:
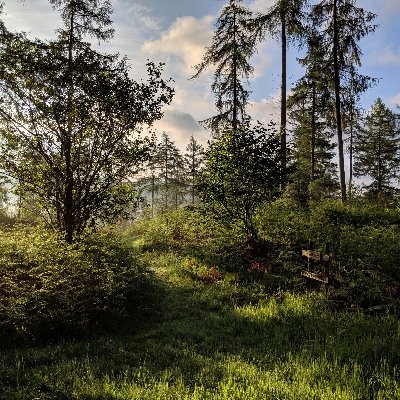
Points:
(311, 254)
(315, 255)
(316, 277)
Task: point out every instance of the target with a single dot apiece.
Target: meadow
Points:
(208, 330)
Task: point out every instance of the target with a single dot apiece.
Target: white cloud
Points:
(263, 58)
(261, 6)
(393, 101)
(27, 17)
(180, 126)
(266, 110)
(186, 38)
(387, 55)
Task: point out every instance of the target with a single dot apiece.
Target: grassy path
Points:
(215, 341)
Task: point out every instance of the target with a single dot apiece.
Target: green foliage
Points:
(190, 231)
(242, 172)
(71, 117)
(50, 288)
(217, 341)
(229, 53)
(377, 149)
(364, 239)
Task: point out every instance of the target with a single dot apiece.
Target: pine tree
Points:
(313, 148)
(229, 52)
(193, 162)
(168, 161)
(284, 20)
(377, 149)
(341, 25)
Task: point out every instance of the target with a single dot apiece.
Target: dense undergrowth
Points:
(363, 238)
(230, 319)
(50, 290)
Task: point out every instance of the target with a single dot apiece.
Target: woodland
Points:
(263, 265)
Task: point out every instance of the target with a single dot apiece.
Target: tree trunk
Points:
(283, 97)
(152, 194)
(235, 96)
(193, 173)
(336, 67)
(313, 129)
(166, 176)
(351, 151)
(379, 162)
(69, 225)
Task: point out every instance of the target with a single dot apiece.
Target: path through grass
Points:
(215, 341)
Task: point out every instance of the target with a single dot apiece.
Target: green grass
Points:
(215, 341)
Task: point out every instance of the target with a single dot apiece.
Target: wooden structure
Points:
(317, 264)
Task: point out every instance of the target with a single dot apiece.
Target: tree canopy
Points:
(70, 116)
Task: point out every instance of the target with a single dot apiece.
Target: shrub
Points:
(191, 232)
(48, 287)
(363, 237)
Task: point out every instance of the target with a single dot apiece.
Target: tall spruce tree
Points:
(341, 26)
(285, 20)
(229, 53)
(377, 149)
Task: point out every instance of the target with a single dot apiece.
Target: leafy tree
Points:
(193, 162)
(284, 20)
(341, 25)
(229, 52)
(68, 117)
(377, 149)
(240, 174)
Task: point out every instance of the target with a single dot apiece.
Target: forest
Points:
(263, 265)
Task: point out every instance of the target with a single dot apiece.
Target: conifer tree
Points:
(229, 53)
(341, 26)
(377, 149)
(313, 149)
(285, 20)
(193, 162)
(168, 161)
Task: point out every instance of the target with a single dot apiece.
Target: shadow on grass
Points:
(191, 331)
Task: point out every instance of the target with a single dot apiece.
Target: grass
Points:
(215, 341)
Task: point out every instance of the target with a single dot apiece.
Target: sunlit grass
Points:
(216, 341)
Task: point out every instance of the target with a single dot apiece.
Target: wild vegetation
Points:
(203, 294)
(217, 327)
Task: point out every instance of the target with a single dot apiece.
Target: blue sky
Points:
(176, 32)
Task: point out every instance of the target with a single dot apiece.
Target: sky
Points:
(176, 33)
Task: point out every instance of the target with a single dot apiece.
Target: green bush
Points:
(190, 231)
(48, 287)
(363, 237)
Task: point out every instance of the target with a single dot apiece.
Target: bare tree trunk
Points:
(193, 174)
(342, 176)
(235, 96)
(69, 225)
(283, 96)
(379, 162)
(351, 151)
(313, 131)
(152, 194)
